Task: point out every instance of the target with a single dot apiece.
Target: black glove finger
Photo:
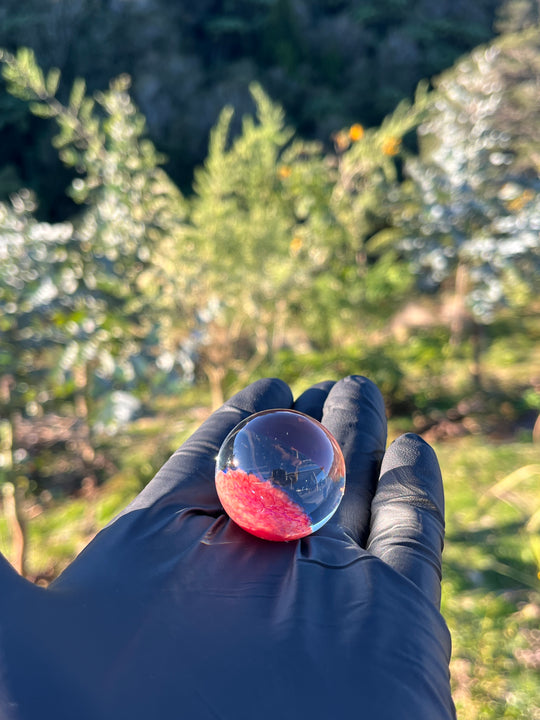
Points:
(354, 413)
(190, 471)
(312, 400)
(407, 514)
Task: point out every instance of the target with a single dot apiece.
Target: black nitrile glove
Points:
(173, 611)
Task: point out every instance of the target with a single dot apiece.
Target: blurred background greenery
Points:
(195, 195)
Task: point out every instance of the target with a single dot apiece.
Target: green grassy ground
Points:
(491, 597)
(492, 507)
(491, 588)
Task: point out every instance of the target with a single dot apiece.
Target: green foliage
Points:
(471, 208)
(276, 228)
(280, 229)
(368, 173)
(517, 15)
(280, 235)
(490, 587)
(96, 296)
(33, 272)
(282, 241)
(289, 260)
(299, 369)
(239, 226)
(329, 63)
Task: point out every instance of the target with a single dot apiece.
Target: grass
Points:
(491, 593)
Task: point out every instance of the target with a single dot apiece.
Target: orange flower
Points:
(519, 202)
(391, 146)
(296, 245)
(284, 172)
(356, 132)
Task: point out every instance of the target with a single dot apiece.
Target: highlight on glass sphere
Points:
(280, 475)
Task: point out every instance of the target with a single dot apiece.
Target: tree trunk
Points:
(477, 338)
(459, 315)
(11, 497)
(215, 377)
(80, 375)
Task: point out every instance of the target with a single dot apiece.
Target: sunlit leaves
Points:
(279, 232)
(279, 227)
(467, 204)
(97, 293)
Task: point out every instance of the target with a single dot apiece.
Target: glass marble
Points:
(280, 475)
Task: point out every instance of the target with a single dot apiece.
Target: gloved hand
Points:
(173, 611)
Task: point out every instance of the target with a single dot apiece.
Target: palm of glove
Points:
(174, 611)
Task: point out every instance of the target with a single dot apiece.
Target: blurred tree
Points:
(114, 286)
(242, 227)
(280, 230)
(329, 64)
(88, 301)
(516, 15)
(32, 276)
(471, 208)
(368, 175)
(516, 66)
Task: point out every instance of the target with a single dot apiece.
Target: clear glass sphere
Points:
(280, 475)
